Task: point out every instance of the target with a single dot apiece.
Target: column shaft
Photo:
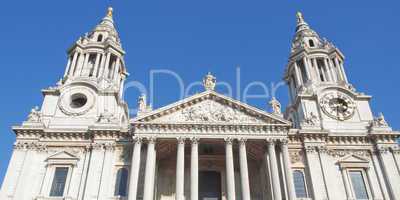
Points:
(194, 171)
(96, 64)
(230, 171)
(288, 171)
(180, 169)
(274, 171)
(244, 174)
(73, 64)
(135, 166)
(150, 171)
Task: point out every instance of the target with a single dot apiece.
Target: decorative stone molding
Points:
(395, 149)
(35, 146)
(296, 156)
(107, 118)
(338, 153)
(108, 146)
(311, 149)
(212, 129)
(311, 120)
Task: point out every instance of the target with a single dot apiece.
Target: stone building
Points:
(82, 143)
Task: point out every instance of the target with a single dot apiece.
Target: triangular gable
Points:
(353, 161)
(62, 157)
(211, 108)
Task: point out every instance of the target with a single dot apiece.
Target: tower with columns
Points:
(82, 144)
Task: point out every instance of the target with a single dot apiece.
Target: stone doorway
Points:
(209, 185)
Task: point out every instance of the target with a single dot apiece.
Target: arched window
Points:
(99, 38)
(311, 42)
(299, 184)
(121, 182)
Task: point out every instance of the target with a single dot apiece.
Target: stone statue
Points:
(380, 121)
(276, 106)
(34, 115)
(209, 82)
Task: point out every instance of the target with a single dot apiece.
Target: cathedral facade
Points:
(82, 143)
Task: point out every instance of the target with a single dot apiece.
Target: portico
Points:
(215, 136)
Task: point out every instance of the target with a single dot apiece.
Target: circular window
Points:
(78, 100)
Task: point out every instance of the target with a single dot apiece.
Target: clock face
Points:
(338, 106)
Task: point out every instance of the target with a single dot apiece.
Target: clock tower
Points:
(321, 96)
(91, 90)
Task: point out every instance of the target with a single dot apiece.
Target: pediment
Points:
(210, 107)
(62, 155)
(353, 159)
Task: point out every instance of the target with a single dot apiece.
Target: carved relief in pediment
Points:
(212, 112)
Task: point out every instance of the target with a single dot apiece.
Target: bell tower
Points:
(321, 96)
(91, 90)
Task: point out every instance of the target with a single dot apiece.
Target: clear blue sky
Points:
(192, 38)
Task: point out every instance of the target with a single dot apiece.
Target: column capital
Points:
(228, 140)
(242, 141)
(151, 140)
(284, 142)
(194, 140)
(181, 140)
(271, 141)
(137, 139)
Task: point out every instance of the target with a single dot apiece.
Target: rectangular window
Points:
(59, 180)
(358, 183)
(299, 184)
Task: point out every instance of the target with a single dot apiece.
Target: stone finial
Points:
(300, 18)
(276, 106)
(209, 82)
(109, 12)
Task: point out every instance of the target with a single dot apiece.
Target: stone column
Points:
(194, 170)
(389, 170)
(244, 173)
(288, 170)
(180, 169)
(308, 68)
(346, 183)
(96, 65)
(328, 71)
(102, 65)
(230, 171)
(150, 170)
(298, 74)
(68, 66)
(85, 63)
(274, 170)
(135, 166)
(116, 69)
(314, 60)
(73, 64)
(107, 63)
